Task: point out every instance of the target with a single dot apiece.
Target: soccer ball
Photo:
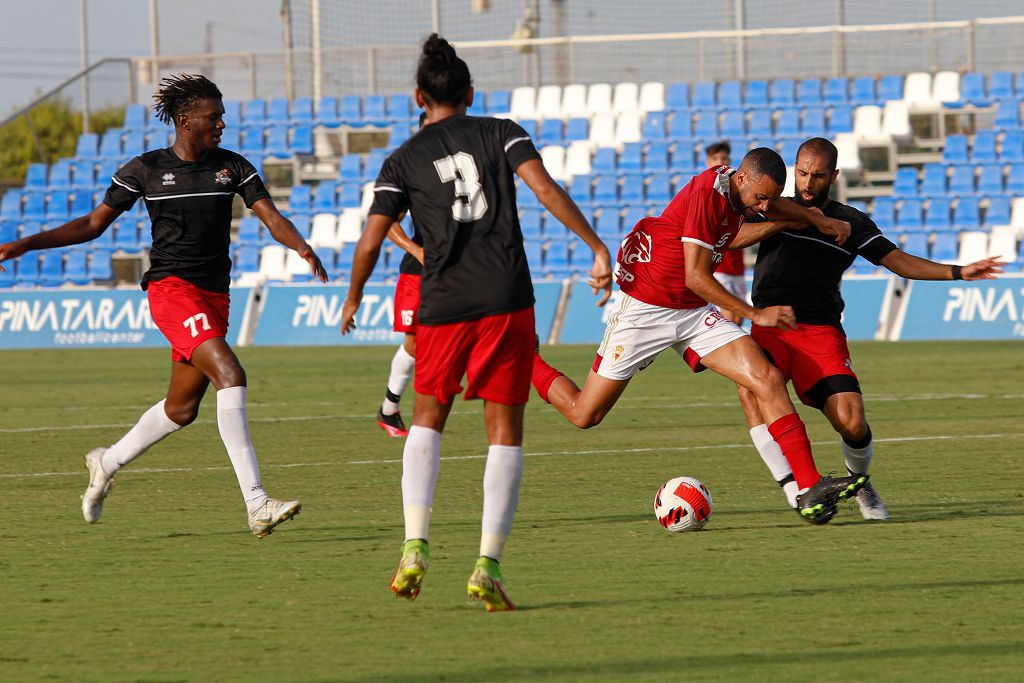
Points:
(683, 504)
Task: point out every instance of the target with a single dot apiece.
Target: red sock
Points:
(791, 435)
(543, 375)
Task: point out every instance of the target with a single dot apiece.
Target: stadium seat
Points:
(351, 167)
(574, 101)
(249, 231)
(551, 132)
(652, 97)
(955, 151)
(51, 268)
(809, 93)
(783, 93)
(581, 187)
(300, 199)
(126, 235)
(599, 98)
(534, 255)
(628, 128)
(990, 181)
(100, 269)
(134, 143)
(88, 146)
(972, 89)
(1008, 115)
(706, 125)
(529, 223)
(578, 159)
(350, 195)
(135, 117)
(327, 112)
(730, 95)
(867, 122)
(896, 120)
(553, 157)
(8, 231)
(277, 142)
(479, 106)
(863, 92)
(677, 97)
(350, 111)
(654, 126)
(604, 161)
(75, 267)
(938, 217)
(1012, 148)
(680, 127)
(399, 108)
(905, 184)
(760, 124)
(787, 151)
(524, 102)
(973, 246)
(34, 208)
(837, 91)
(110, 144)
(909, 217)
(35, 177)
(277, 112)
(231, 138)
(657, 157)
(946, 88)
(81, 204)
(625, 97)
(812, 125)
(608, 222)
(26, 270)
(255, 113)
(530, 126)
(962, 182)
(1002, 242)
(499, 102)
(58, 206)
(375, 111)
(302, 140)
(998, 211)
(704, 95)
(1015, 180)
(916, 244)
(578, 129)
(302, 111)
(945, 248)
(60, 175)
(324, 231)
(631, 157)
(374, 162)
(350, 225)
(967, 214)
(659, 188)
(788, 124)
(934, 183)
(632, 190)
(1000, 85)
(324, 196)
(557, 259)
(272, 262)
(734, 124)
(756, 96)
(983, 151)
(683, 159)
(891, 87)
(606, 190)
(840, 120)
(1017, 215)
(252, 141)
(83, 175)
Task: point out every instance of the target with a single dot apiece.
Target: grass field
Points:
(172, 586)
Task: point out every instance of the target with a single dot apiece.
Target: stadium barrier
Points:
(988, 309)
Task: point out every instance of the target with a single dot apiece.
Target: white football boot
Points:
(871, 504)
(100, 485)
(263, 520)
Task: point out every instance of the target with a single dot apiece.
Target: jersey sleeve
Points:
(702, 219)
(517, 143)
(250, 186)
(126, 185)
(389, 195)
(868, 241)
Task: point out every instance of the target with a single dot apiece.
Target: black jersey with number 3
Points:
(456, 178)
(803, 268)
(189, 203)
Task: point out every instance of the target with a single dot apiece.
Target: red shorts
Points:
(187, 315)
(407, 303)
(495, 353)
(815, 357)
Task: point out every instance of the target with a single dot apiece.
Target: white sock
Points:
(777, 464)
(234, 432)
(402, 365)
(502, 476)
(421, 461)
(152, 427)
(858, 460)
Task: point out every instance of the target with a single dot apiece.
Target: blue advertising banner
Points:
(866, 298)
(988, 309)
(89, 318)
(310, 315)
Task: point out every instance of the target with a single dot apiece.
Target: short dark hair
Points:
(178, 94)
(765, 161)
(822, 147)
(718, 148)
(441, 75)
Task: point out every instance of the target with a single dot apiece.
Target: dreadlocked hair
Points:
(177, 95)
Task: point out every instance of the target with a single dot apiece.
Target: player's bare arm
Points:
(365, 258)
(397, 235)
(284, 231)
(701, 281)
(78, 230)
(752, 233)
(560, 204)
(785, 209)
(917, 268)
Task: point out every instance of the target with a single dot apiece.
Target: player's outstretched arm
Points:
(284, 231)
(917, 268)
(398, 236)
(560, 204)
(751, 233)
(78, 230)
(787, 209)
(365, 258)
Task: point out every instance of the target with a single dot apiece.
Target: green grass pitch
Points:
(171, 586)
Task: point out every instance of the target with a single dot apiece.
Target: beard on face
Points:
(817, 200)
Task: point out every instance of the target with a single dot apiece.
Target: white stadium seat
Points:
(1002, 242)
(524, 102)
(973, 246)
(574, 101)
(602, 130)
(350, 225)
(295, 265)
(625, 98)
(896, 120)
(577, 158)
(553, 157)
(628, 128)
(272, 258)
(946, 87)
(549, 102)
(324, 232)
(917, 90)
(849, 153)
(367, 197)
(599, 98)
(789, 189)
(652, 97)
(867, 122)
(1017, 216)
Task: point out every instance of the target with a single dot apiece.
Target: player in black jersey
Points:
(188, 189)
(476, 310)
(803, 269)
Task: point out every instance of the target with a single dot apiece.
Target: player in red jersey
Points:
(668, 300)
(188, 189)
(803, 269)
(730, 271)
(476, 320)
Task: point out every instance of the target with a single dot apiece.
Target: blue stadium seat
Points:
(302, 111)
(606, 189)
(837, 91)
(84, 175)
(657, 157)
(534, 255)
(998, 211)
(677, 97)
(58, 206)
(126, 235)
(581, 188)
(632, 190)
(232, 113)
(499, 102)
(300, 199)
(31, 228)
(659, 188)
(327, 112)
(1000, 85)
(946, 246)
(247, 259)
(350, 111)
(654, 126)
(51, 268)
(783, 93)
(135, 143)
(905, 184)
(255, 113)
(813, 123)
(351, 167)
(983, 150)
(972, 89)
(88, 146)
(479, 106)
(8, 231)
(277, 112)
(231, 138)
(916, 244)
(757, 94)
(680, 127)
(551, 132)
(529, 223)
(375, 111)
(730, 95)
(604, 161)
(706, 126)
(35, 177)
(967, 214)
(631, 158)
(938, 217)
(35, 206)
(863, 91)
(788, 125)
(399, 108)
(135, 117)
(106, 169)
(530, 126)
(100, 268)
(303, 222)
(110, 145)
(734, 124)
(910, 215)
(632, 216)
(324, 200)
(955, 151)
(277, 142)
(1015, 180)
(608, 222)
(840, 120)
(252, 140)
(154, 125)
(81, 204)
(788, 150)
(579, 129)
(60, 175)
(760, 125)
(374, 162)
(704, 95)
(683, 159)
(1012, 149)
(7, 277)
(26, 270)
(350, 195)
(890, 87)
(302, 140)
(809, 92)
(75, 267)
(990, 181)
(104, 241)
(557, 259)
(1008, 115)
(249, 231)
(962, 182)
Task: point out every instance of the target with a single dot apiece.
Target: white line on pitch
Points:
(539, 454)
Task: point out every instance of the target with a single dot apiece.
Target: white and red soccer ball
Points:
(683, 504)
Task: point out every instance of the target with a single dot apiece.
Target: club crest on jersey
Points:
(636, 248)
(168, 178)
(223, 177)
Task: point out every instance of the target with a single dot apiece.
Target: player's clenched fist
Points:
(781, 317)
